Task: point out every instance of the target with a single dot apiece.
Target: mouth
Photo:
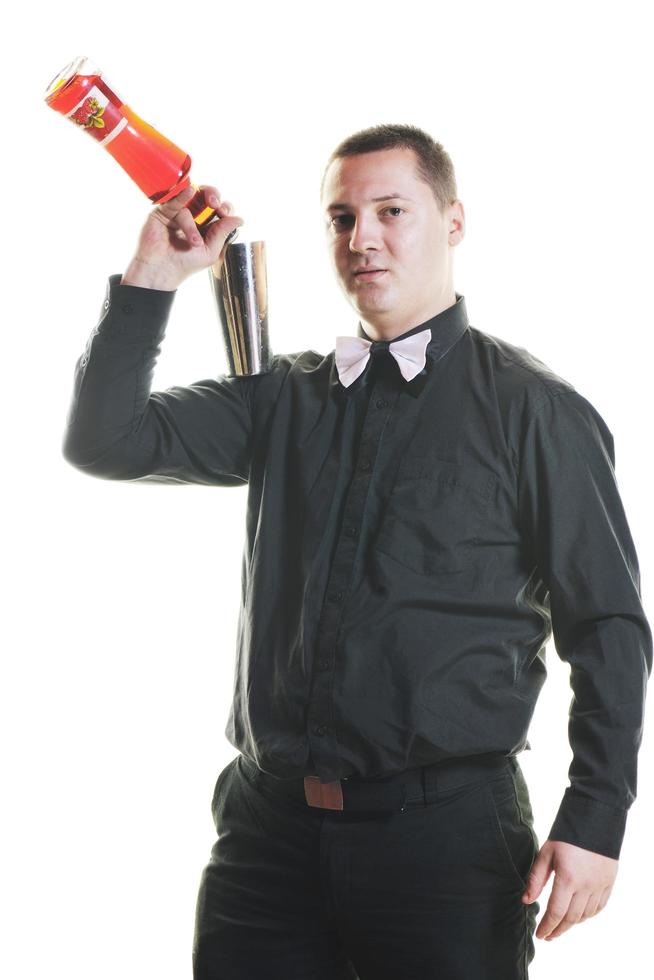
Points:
(366, 274)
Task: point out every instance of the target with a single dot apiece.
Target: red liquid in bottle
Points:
(158, 166)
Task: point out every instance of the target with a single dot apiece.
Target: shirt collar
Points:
(446, 328)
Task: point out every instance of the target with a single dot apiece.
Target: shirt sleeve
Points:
(576, 530)
(117, 429)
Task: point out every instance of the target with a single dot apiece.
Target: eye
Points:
(348, 217)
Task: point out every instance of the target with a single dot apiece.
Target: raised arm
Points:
(116, 428)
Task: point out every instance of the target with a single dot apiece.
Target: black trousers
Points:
(418, 877)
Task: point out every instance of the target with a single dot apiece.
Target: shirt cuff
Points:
(588, 823)
(135, 310)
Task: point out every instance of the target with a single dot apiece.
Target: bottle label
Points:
(98, 116)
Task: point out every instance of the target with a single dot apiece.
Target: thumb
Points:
(537, 877)
(218, 231)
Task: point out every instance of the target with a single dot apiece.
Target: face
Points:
(405, 235)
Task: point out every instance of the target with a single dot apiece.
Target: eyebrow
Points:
(385, 197)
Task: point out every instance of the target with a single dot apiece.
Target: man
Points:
(426, 504)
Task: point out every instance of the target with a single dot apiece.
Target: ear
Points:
(456, 222)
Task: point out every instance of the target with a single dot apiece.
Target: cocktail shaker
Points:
(240, 290)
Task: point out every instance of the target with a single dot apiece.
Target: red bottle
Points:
(161, 169)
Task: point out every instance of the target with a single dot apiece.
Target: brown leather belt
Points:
(329, 796)
(380, 792)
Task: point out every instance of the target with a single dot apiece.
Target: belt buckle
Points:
(328, 796)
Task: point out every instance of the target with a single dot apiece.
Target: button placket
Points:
(320, 714)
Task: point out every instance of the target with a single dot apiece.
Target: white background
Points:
(121, 600)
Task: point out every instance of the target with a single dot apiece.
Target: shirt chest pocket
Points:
(434, 517)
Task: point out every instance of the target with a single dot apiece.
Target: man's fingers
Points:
(538, 875)
(575, 913)
(592, 906)
(184, 220)
(175, 215)
(211, 194)
(175, 204)
(220, 232)
(214, 235)
(557, 907)
(604, 897)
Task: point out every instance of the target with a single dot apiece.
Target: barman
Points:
(428, 504)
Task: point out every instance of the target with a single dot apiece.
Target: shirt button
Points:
(365, 464)
(323, 662)
(127, 308)
(335, 596)
(322, 730)
(381, 403)
(350, 531)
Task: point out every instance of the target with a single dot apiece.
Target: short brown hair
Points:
(433, 165)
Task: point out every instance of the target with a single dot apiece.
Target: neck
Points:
(388, 325)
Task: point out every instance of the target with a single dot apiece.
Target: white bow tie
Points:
(353, 353)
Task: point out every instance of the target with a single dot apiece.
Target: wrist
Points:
(148, 276)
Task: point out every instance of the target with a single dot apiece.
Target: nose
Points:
(364, 236)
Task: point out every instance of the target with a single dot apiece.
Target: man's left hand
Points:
(583, 881)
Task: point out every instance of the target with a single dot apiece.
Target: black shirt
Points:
(410, 547)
